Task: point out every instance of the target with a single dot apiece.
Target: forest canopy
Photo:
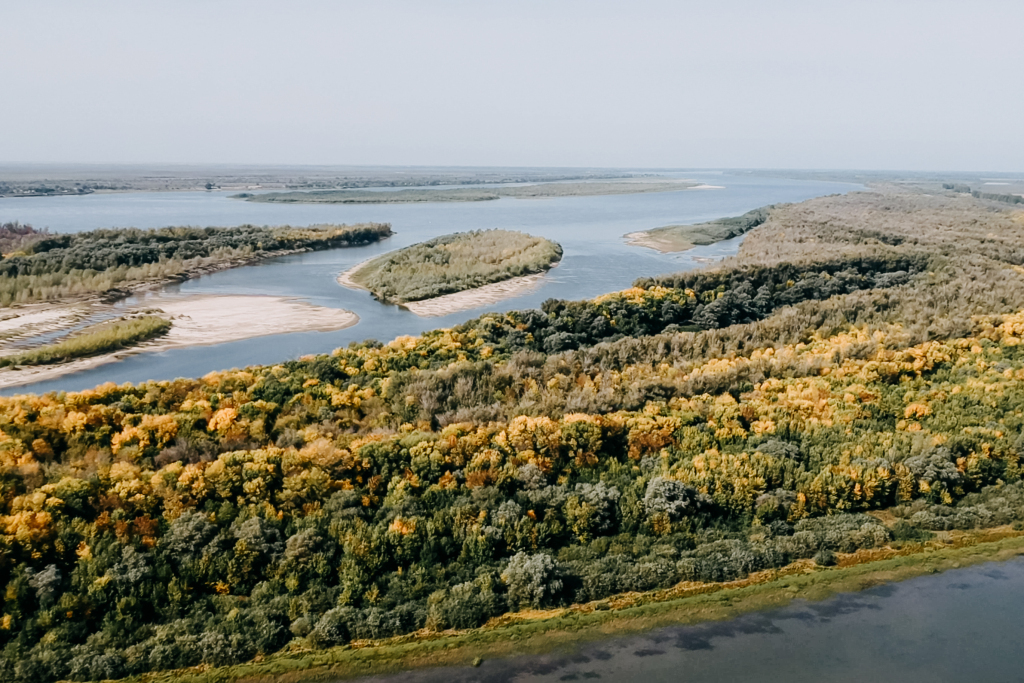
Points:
(454, 263)
(861, 355)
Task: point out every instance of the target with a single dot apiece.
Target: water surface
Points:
(596, 259)
(956, 627)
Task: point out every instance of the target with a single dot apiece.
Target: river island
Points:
(456, 272)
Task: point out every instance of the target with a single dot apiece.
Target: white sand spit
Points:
(345, 279)
(217, 319)
(665, 246)
(203, 320)
(28, 321)
(474, 298)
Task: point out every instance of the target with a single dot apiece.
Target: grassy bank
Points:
(534, 191)
(538, 632)
(682, 237)
(454, 263)
(93, 340)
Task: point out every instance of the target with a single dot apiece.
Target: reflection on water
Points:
(596, 259)
(962, 625)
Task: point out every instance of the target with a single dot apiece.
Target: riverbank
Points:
(195, 321)
(543, 631)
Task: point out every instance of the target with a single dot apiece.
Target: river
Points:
(596, 259)
(960, 626)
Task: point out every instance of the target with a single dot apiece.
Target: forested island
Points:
(454, 263)
(470, 194)
(46, 267)
(846, 392)
(682, 237)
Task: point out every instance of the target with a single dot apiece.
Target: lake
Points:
(961, 625)
(596, 259)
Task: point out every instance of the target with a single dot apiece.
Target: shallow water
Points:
(958, 626)
(596, 259)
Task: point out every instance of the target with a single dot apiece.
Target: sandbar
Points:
(203, 320)
(474, 298)
(34, 319)
(345, 279)
(664, 245)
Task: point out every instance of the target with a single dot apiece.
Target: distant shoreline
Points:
(533, 190)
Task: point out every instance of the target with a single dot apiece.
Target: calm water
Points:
(959, 626)
(596, 259)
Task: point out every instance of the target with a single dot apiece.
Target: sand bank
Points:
(666, 245)
(203, 320)
(213, 319)
(28, 321)
(345, 279)
(474, 298)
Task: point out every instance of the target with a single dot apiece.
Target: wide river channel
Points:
(961, 626)
(596, 258)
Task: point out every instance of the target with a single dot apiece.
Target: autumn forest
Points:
(852, 379)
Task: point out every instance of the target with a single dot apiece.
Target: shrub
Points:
(672, 498)
(465, 605)
(825, 558)
(532, 580)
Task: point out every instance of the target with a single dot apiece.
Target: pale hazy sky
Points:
(929, 85)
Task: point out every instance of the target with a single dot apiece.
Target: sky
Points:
(893, 85)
